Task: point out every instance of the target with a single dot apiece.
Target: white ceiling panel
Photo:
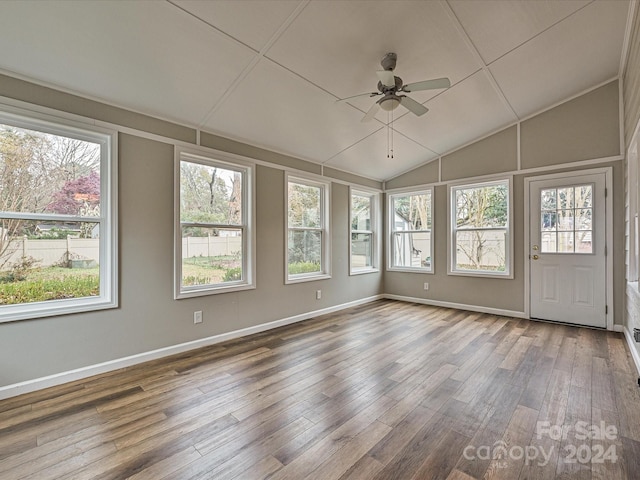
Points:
(581, 52)
(339, 45)
(464, 112)
(146, 56)
(276, 109)
(497, 27)
(252, 22)
(369, 156)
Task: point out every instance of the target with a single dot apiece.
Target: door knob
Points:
(535, 257)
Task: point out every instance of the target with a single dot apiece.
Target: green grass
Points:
(52, 283)
(209, 270)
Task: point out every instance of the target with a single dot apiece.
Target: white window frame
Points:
(391, 229)
(374, 208)
(247, 226)
(452, 229)
(107, 220)
(324, 229)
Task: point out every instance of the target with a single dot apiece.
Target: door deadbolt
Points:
(535, 247)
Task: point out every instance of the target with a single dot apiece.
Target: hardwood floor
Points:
(387, 390)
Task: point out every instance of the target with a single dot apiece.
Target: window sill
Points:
(200, 292)
(364, 271)
(26, 311)
(411, 270)
(504, 276)
(307, 278)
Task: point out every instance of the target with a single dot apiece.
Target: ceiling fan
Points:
(390, 87)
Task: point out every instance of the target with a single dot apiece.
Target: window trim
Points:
(108, 219)
(208, 158)
(390, 225)
(325, 229)
(451, 230)
(374, 198)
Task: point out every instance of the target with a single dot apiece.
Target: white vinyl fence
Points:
(58, 252)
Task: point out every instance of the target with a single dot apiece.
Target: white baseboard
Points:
(632, 347)
(88, 371)
(459, 306)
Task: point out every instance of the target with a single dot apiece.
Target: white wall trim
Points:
(458, 306)
(91, 370)
(632, 348)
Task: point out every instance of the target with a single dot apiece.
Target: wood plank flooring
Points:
(387, 390)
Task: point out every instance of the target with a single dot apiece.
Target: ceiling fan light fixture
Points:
(389, 102)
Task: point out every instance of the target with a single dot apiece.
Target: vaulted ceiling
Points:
(269, 72)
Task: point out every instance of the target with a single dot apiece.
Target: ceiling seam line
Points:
(475, 52)
(540, 33)
(254, 62)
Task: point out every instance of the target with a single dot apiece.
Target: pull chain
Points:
(390, 134)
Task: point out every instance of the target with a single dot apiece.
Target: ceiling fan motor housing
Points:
(389, 61)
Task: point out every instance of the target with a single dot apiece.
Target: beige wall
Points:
(148, 317)
(577, 124)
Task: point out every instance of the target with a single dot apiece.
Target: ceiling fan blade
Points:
(371, 113)
(413, 106)
(372, 94)
(434, 84)
(386, 78)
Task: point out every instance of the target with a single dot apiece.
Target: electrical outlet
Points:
(197, 316)
(426, 285)
(318, 294)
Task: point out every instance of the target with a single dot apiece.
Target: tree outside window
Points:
(481, 228)
(307, 229)
(410, 217)
(55, 214)
(212, 251)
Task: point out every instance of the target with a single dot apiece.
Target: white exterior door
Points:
(567, 249)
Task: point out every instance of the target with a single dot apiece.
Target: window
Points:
(480, 231)
(411, 242)
(363, 244)
(307, 233)
(57, 218)
(214, 234)
(566, 214)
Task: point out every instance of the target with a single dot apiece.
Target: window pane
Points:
(583, 196)
(305, 250)
(412, 212)
(583, 219)
(210, 194)
(481, 250)
(565, 197)
(361, 250)
(565, 242)
(565, 220)
(45, 173)
(482, 206)
(583, 242)
(360, 212)
(211, 256)
(548, 199)
(42, 261)
(549, 221)
(412, 249)
(304, 206)
(548, 243)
